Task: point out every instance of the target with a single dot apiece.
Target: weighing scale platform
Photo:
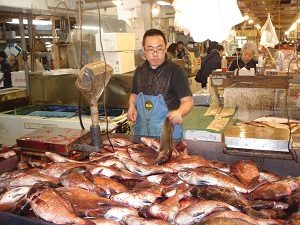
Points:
(245, 136)
(53, 139)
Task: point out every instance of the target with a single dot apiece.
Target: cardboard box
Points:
(121, 62)
(18, 79)
(115, 41)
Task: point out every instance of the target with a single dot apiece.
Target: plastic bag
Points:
(268, 34)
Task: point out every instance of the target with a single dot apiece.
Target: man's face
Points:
(155, 50)
(180, 46)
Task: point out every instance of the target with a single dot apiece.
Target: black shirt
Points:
(168, 79)
(239, 63)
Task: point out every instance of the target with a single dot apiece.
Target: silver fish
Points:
(59, 158)
(103, 221)
(166, 143)
(210, 176)
(14, 194)
(56, 169)
(119, 213)
(245, 217)
(113, 172)
(151, 142)
(196, 212)
(52, 207)
(135, 220)
(140, 169)
(185, 162)
(277, 190)
(142, 154)
(138, 199)
(109, 185)
(168, 209)
(80, 177)
(117, 142)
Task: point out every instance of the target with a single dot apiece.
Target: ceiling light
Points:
(250, 21)
(163, 3)
(87, 27)
(34, 22)
(257, 26)
(155, 10)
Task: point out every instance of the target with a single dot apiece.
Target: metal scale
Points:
(91, 82)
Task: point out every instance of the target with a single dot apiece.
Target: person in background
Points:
(160, 89)
(247, 61)
(5, 70)
(210, 62)
(238, 52)
(172, 51)
(181, 50)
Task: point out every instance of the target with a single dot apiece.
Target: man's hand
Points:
(132, 114)
(175, 117)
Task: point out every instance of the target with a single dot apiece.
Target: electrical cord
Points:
(294, 155)
(105, 71)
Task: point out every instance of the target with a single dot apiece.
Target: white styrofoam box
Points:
(18, 79)
(115, 41)
(121, 62)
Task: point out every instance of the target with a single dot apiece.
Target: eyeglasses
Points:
(157, 51)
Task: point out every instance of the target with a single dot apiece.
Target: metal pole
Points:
(24, 55)
(31, 44)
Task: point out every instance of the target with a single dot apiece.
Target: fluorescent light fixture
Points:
(44, 36)
(87, 27)
(163, 3)
(34, 22)
(155, 10)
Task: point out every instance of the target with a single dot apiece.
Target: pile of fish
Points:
(123, 184)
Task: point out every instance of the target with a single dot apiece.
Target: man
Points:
(210, 62)
(160, 89)
(181, 51)
(238, 52)
(5, 77)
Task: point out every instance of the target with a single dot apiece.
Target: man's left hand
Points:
(175, 117)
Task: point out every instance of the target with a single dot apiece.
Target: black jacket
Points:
(6, 70)
(210, 62)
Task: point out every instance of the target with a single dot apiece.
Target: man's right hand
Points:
(132, 114)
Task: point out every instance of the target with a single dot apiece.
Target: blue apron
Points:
(152, 111)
